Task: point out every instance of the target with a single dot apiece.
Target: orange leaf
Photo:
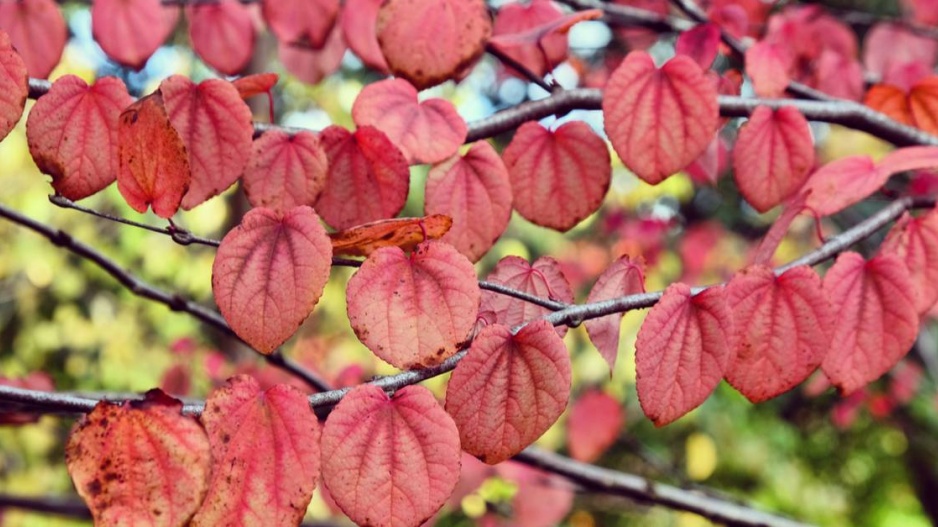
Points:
(140, 463)
(130, 31)
(923, 100)
(37, 30)
(891, 101)
(14, 85)
(73, 133)
(623, 277)
(222, 34)
(255, 84)
(305, 22)
(285, 170)
(544, 279)
(915, 241)
(154, 166)
(593, 426)
(358, 20)
(405, 233)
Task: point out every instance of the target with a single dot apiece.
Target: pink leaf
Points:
(559, 177)
(475, 192)
(215, 125)
(255, 84)
(544, 279)
(358, 20)
(770, 242)
(426, 132)
(682, 352)
(887, 45)
(285, 170)
(915, 241)
(72, 134)
(509, 389)
(430, 41)
(390, 461)
(700, 43)
(14, 85)
(659, 119)
(362, 164)
(782, 329)
(417, 310)
(542, 500)
(773, 155)
(313, 65)
(623, 277)
(546, 51)
(265, 455)
(222, 34)
(129, 31)
(269, 272)
(37, 30)
(306, 22)
(712, 163)
(768, 64)
(593, 426)
(876, 320)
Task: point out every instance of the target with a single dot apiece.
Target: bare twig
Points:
(509, 61)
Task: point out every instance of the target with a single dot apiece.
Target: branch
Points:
(509, 61)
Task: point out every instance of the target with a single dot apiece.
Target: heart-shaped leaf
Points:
(14, 85)
(285, 170)
(544, 53)
(624, 277)
(700, 43)
(915, 241)
(544, 279)
(222, 34)
(306, 22)
(129, 31)
(37, 30)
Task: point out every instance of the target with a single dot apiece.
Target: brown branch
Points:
(509, 61)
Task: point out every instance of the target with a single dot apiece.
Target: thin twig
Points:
(509, 61)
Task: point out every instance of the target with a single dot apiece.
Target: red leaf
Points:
(37, 380)
(594, 424)
(405, 233)
(623, 277)
(659, 120)
(140, 463)
(362, 164)
(431, 41)
(544, 279)
(474, 190)
(768, 65)
(285, 170)
(773, 155)
(781, 326)
(154, 166)
(14, 85)
(390, 461)
(72, 134)
(700, 43)
(129, 31)
(891, 101)
(923, 11)
(509, 389)
(682, 352)
(222, 34)
(313, 65)
(215, 125)
(255, 84)
(265, 455)
(306, 22)
(915, 241)
(426, 132)
(545, 51)
(269, 272)
(37, 30)
(413, 311)
(358, 21)
(876, 320)
(542, 499)
(559, 177)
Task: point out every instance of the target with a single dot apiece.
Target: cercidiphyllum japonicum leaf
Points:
(265, 455)
(313, 65)
(405, 233)
(474, 190)
(72, 133)
(358, 20)
(701, 43)
(368, 177)
(390, 461)
(876, 322)
(774, 153)
(140, 463)
(544, 53)
(782, 329)
(558, 177)
(509, 389)
(130, 31)
(426, 132)
(430, 41)
(414, 310)
(304, 22)
(768, 65)
(269, 273)
(916, 107)
(14, 85)
(624, 277)
(659, 119)
(595, 421)
(215, 125)
(543, 279)
(222, 34)
(255, 84)
(153, 165)
(915, 241)
(285, 170)
(37, 30)
(683, 349)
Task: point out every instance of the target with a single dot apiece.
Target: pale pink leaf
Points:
(313, 65)
(544, 279)
(623, 277)
(130, 31)
(304, 22)
(768, 65)
(222, 34)
(358, 20)
(38, 32)
(593, 426)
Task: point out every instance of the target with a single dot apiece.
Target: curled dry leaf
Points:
(154, 165)
(414, 311)
(509, 389)
(285, 170)
(222, 34)
(915, 241)
(659, 119)
(358, 21)
(130, 31)
(593, 426)
(390, 461)
(558, 177)
(73, 133)
(304, 22)
(265, 455)
(313, 65)
(544, 52)
(255, 84)
(14, 85)
(544, 279)
(876, 322)
(140, 463)
(624, 277)
(37, 30)
(474, 190)
(426, 132)
(431, 41)
(682, 352)
(269, 273)
(405, 233)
